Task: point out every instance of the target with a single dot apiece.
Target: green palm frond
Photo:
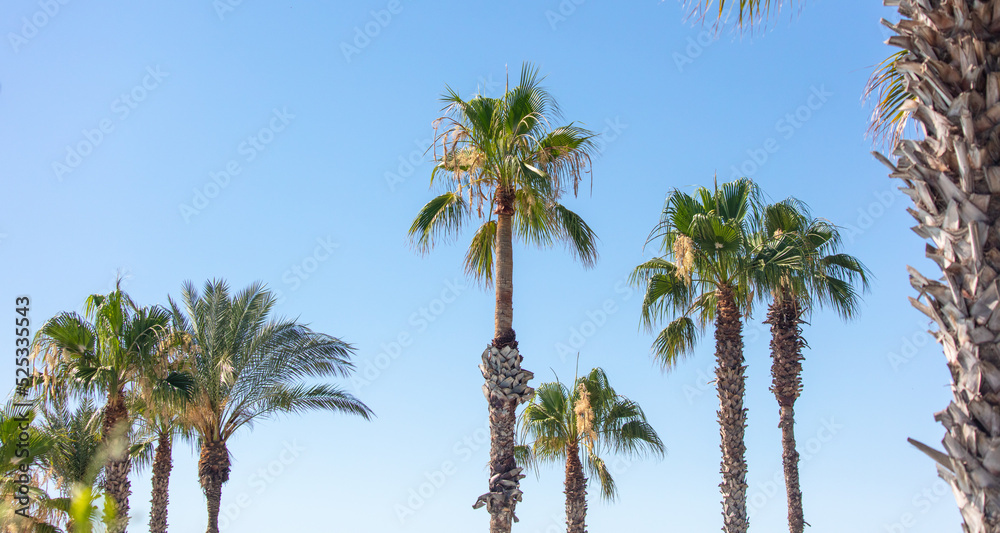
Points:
(479, 257)
(580, 238)
(441, 217)
(247, 365)
(675, 341)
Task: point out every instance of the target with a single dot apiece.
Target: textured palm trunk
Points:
(118, 466)
(162, 465)
(213, 472)
(506, 383)
(576, 491)
(730, 379)
(785, 316)
(953, 177)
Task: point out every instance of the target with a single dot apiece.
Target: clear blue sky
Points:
(118, 116)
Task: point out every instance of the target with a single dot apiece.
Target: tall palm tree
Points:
(499, 158)
(105, 352)
(564, 424)
(709, 272)
(949, 64)
(248, 367)
(814, 275)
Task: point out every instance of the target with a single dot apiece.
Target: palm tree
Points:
(106, 351)
(951, 173)
(28, 509)
(248, 367)
(709, 272)
(563, 423)
(76, 457)
(500, 158)
(160, 409)
(814, 275)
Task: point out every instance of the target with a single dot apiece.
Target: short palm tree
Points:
(105, 352)
(709, 272)
(576, 426)
(504, 166)
(76, 457)
(814, 274)
(248, 367)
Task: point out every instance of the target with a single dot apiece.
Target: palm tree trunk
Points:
(784, 316)
(504, 313)
(114, 432)
(953, 177)
(213, 472)
(576, 491)
(162, 465)
(730, 378)
(506, 383)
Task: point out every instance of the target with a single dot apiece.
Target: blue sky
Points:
(280, 142)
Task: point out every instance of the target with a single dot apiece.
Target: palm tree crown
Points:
(708, 243)
(590, 413)
(499, 154)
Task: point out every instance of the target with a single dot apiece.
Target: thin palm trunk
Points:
(162, 465)
(506, 383)
(118, 466)
(785, 317)
(730, 376)
(953, 177)
(576, 490)
(213, 472)
(504, 314)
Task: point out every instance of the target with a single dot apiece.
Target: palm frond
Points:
(892, 103)
(479, 257)
(440, 218)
